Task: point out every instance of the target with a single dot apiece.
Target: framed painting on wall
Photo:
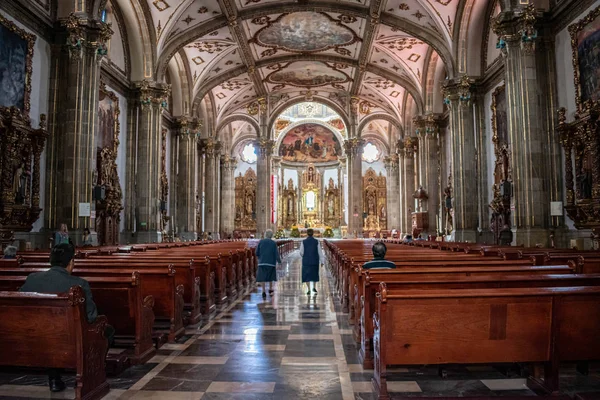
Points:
(16, 58)
(585, 43)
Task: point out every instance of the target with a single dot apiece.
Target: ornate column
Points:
(144, 149)
(343, 200)
(79, 47)
(410, 148)
(393, 192)
(228, 165)
(402, 212)
(185, 178)
(263, 185)
(428, 132)
(354, 149)
(458, 97)
(212, 175)
(529, 97)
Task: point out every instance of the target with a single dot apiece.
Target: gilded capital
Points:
(152, 94)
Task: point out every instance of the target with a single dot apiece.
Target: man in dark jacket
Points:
(312, 258)
(379, 249)
(58, 279)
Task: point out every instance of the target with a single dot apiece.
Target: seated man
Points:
(10, 253)
(58, 279)
(378, 261)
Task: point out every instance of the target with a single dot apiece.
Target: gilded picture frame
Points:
(16, 66)
(585, 37)
(108, 119)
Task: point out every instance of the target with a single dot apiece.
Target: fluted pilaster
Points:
(354, 150)
(228, 165)
(458, 96)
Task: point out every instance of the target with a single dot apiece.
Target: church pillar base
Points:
(531, 237)
(469, 236)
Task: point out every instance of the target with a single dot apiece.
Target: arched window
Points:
(249, 153)
(370, 153)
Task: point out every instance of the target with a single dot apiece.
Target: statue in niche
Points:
(311, 175)
(382, 213)
(584, 181)
(506, 191)
(448, 198)
(249, 208)
(331, 184)
(20, 183)
(290, 203)
(330, 205)
(371, 206)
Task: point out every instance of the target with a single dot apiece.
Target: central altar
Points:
(313, 204)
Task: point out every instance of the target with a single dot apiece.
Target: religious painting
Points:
(108, 113)
(499, 115)
(310, 143)
(16, 56)
(585, 41)
(337, 123)
(307, 74)
(305, 32)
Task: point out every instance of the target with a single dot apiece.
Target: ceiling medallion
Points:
(307, 74)
(305, 32)
(234, 84)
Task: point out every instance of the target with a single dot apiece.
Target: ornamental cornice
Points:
(151, 93)
(353, 147)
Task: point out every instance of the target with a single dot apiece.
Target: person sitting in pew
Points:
(58, 279)
(10, 253)
(379, 249)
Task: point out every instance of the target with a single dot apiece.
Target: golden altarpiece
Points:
(245, 203)
(109, 205)
(374, 203)
(288, 201)
(332, 214)
(311, 204)
(580, 138)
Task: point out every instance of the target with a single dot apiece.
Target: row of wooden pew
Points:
(470, 304)
(148, 293)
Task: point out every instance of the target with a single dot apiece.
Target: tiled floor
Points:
(289, 346)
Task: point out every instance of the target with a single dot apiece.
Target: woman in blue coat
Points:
(268, 258)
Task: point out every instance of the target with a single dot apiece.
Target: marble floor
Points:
(289, 346)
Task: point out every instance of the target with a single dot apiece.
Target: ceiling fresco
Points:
(237, 51)
(307, 74)
(306, 32)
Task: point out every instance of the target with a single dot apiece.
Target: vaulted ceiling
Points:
(233, 52)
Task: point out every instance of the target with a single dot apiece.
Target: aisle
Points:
(289, 346)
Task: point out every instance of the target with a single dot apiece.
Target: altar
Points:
(313, 203)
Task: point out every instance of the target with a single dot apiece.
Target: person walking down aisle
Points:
(312, 258)
(268, 258)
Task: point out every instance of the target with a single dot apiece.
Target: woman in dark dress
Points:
(268, 258)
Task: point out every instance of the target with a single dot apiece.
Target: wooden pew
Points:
(51, 331)
(372, 282)
(156, 282)
(483, 326)
(120, 300)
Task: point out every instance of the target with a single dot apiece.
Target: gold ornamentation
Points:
(245, 201)
(374, 201)
(21, 147)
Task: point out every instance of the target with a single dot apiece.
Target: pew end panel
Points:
(51, 331)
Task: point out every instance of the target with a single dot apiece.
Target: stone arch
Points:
(139, 39)
(386, 147)
(237, 117)
(385, 117)
(279, 109)
(469, 40)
